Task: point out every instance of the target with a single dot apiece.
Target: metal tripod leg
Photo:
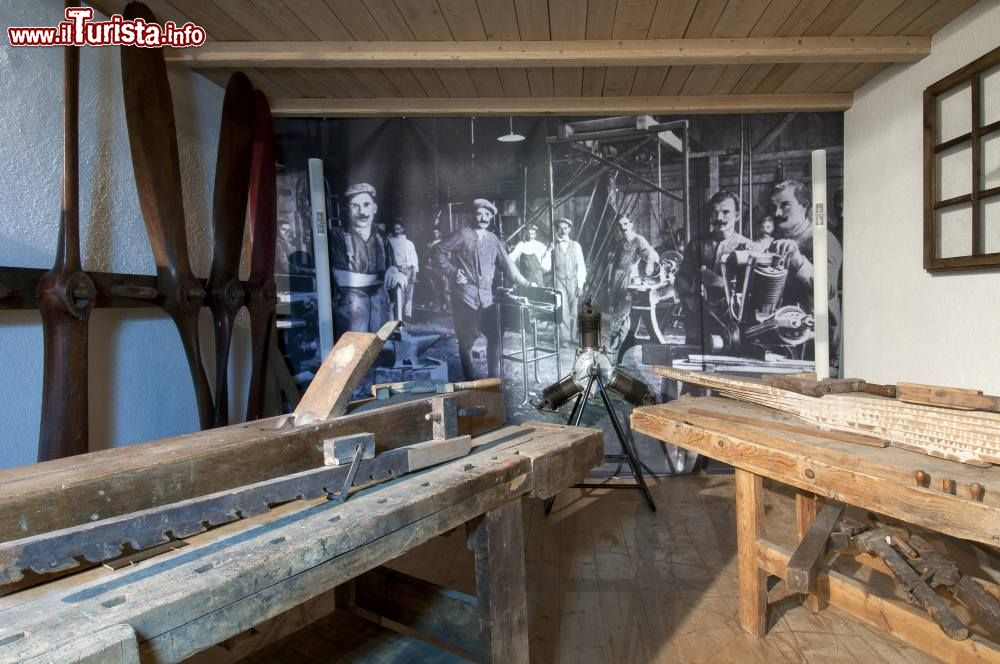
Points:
(626, 443)
(581, 403)
(633, 462)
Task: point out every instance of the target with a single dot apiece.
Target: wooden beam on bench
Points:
(68, 492)
(805, 562)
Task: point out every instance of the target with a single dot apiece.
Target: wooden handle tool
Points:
(334, 383)
(947, 397)
(152, 133)
(229, 211)
(261, 291)
(65, 298)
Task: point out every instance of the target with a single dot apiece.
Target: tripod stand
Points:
(625, 440)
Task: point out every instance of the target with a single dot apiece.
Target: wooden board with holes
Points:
(192, 598)
(879, 479)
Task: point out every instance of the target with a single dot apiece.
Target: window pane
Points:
(954, 168)
(991, 161)
(991, 95)
(954, 227)
(990, 219)
(954, 113)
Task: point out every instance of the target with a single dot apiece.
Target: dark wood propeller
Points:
(65, 298)
(149, 115)
(229, 211)
(261, 292)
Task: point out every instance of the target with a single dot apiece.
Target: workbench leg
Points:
(806, 507)
(497, 544)
(750, 529)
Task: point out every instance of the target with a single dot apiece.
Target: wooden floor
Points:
(610, 581)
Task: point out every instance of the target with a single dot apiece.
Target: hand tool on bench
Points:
(919, 569)
(334, 383)
(261, 294)
(229, 211)
(806, 383)
(149, 115)
(383, 391)
(947, 397)
(879, 542)
(941, 572)
(65, 298)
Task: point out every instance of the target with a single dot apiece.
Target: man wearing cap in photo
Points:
(529, 255)
(469, 259)
(363, 266)
(569, 274)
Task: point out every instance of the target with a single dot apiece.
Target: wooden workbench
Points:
(876, 479)
(182, 602)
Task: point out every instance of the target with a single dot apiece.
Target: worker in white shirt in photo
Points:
(405, 254)
(529, 255)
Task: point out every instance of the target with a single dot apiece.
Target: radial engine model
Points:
(594, 360)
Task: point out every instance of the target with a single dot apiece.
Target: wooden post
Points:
(497, 543)
(806, 508)
(749, 529)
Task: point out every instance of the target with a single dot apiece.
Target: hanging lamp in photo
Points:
(511, 137)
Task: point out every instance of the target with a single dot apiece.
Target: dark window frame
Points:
(970, 74)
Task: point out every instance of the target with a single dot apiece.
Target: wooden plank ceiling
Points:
(448, 57)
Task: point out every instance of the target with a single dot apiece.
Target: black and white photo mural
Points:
(692, 236)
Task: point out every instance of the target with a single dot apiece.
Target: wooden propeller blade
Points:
(261, 292)
(65, 299)
(149, 115)
(229, 211)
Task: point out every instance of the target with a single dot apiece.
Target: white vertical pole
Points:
(321, 255)
(821, 302)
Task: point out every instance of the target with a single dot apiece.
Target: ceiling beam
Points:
(386, 107)
(590, 53)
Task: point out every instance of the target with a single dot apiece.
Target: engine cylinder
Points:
(634, 391)
(766, 288)
(590, 326)
(555, 395)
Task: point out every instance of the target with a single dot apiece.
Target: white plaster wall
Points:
(900, 322)
(140, 387)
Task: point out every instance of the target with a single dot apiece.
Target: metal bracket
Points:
(345, 491)
(443, 418)
(340, 450)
